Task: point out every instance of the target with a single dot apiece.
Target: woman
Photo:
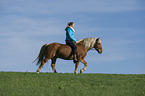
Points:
(70, 40)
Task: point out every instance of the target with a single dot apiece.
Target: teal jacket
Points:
(70, 34)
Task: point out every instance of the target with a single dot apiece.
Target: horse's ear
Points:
(97, 39)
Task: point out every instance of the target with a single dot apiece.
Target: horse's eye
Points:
(98, 43)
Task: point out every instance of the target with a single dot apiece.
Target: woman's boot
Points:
(75, 58)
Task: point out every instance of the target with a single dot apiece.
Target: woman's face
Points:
(73, 25)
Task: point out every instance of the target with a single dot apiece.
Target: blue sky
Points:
(25, 25)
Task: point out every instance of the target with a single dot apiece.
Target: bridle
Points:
(98, 48)
(98, 44)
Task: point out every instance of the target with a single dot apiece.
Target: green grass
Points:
(67, 84)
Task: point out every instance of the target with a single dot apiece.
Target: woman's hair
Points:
(69, 24)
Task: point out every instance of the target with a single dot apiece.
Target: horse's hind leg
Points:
(53, 61)
(42, 63)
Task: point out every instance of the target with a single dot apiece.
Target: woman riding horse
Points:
(70, 40)
(56, 50)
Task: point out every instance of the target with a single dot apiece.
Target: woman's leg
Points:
(74, 49)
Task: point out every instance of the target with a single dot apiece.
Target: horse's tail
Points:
(41, 54)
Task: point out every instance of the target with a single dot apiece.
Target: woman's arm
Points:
(70, 34)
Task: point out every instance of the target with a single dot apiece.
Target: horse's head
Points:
(98, 46)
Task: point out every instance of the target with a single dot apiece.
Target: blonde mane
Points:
(89, 43)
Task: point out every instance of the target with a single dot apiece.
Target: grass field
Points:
(67, 84)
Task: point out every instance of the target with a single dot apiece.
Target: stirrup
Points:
(75, 61)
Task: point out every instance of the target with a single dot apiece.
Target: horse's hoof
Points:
(76, 72)
(55, 72)
(81, 71)
(37, 72)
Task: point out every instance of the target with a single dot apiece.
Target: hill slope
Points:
(50, 84)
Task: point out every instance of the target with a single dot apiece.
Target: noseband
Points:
(98, 48)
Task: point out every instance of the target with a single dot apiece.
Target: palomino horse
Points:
(55, 50)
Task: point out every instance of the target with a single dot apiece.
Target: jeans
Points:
(72, 45)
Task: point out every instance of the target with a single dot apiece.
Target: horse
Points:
(56, 50)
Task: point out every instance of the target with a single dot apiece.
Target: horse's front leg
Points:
(76, 67)
(85, 65)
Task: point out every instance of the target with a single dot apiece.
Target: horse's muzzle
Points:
(100, 51)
